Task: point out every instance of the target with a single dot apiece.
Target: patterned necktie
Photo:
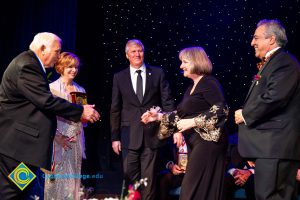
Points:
(264, 60)
(261, 63)
(139, 85)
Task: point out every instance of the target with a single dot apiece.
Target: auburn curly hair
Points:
(66, 59)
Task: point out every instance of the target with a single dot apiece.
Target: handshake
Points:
(89, 114)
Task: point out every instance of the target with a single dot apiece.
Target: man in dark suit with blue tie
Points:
(28, 113)
(269, 123)
(135, 90)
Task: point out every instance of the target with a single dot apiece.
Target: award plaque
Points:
(182, 160)
(79, 98)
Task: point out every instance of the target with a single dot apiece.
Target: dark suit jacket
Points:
(126, 109)
(272, 111)
(28, 112)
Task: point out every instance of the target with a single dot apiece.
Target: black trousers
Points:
(275, 179)
(141, 163)
(8, 189)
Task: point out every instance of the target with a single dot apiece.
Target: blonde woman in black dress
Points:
(201, 117)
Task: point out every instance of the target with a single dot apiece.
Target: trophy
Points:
(182, 160)
(79, 98)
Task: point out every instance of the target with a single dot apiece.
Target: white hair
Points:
(41, 39)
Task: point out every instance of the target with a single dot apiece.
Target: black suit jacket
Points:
(272, 111)
(28, 112)
(126, 109)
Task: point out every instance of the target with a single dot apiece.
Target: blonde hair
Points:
(197, 55)
(66, 59)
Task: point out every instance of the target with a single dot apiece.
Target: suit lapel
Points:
(254, 82)
(128, 84)
(259, 73)
(148, 81)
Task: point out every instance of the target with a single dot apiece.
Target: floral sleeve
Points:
(168, 124)
(210, 124)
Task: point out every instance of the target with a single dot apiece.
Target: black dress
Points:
(208, 142)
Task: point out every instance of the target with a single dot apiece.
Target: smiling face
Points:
(70, 72)
(194, 62)
(261, 42)
(135, 55)
(186, 66)
(68, 66)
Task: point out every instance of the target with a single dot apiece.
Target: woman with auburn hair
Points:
(68, 147)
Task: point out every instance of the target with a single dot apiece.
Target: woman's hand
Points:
(177, 139)
(185, 124)
(151, 115)
(176, 170)
(64, 141)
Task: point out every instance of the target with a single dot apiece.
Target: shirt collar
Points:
(269, 53)
(43, 67)
(133, 70)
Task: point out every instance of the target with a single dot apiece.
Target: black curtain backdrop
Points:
(22, 20)
(97, 32)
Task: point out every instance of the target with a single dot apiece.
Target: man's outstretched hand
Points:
(90, 114)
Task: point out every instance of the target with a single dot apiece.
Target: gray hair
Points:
(274, 27)
(44, 38)
(135, 42)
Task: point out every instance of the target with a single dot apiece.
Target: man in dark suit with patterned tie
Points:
(269, 123)
(135, 90)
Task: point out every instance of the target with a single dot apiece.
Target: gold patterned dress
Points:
(208, 141)
(64, 183)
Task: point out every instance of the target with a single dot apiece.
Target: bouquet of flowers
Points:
(133, 190)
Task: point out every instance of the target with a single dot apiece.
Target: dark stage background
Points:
(97, 32)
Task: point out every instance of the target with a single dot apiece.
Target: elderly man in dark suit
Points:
(135, 90)
(28, 113)
(269, 123)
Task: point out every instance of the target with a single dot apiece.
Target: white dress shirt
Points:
(134, 74)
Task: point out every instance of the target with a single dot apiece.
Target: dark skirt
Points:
(206, 168)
